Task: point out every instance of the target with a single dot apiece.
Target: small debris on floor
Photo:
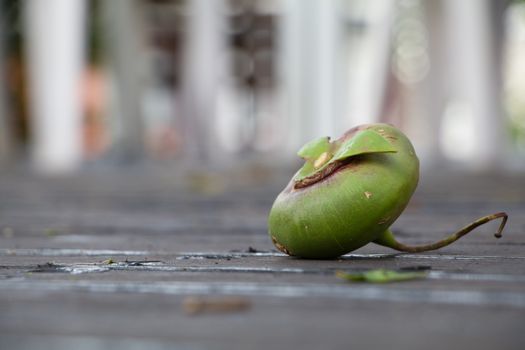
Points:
(201, 305)
(380, 276)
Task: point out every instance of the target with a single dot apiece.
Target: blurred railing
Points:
(217, 82)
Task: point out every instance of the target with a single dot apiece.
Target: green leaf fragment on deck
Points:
(380, 276)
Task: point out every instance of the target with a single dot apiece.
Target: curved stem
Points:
(389, 240)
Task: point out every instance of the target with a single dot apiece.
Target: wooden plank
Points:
(110, 260)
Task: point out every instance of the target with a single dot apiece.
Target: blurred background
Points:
(211, 84)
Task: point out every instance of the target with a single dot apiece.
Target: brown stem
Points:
(454, 237)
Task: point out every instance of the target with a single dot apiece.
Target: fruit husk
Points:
(320, 216)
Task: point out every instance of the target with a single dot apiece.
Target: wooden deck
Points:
(150, 260)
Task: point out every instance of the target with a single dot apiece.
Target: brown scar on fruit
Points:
(326, 172)
(383, 220)
(368, 194)
(387, 136)
(391, 137)
(280, 247)
(348, 134)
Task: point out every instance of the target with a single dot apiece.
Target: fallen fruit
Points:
(348, 193)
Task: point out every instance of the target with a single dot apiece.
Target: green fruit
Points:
(348, 193)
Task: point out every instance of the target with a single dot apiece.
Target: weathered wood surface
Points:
(170, 238)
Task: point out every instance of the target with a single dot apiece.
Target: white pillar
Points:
(124, 38)
(203, 65)
(473, 126)
(311, 69)
(55, 41)
(425, 99)
(367, 60)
